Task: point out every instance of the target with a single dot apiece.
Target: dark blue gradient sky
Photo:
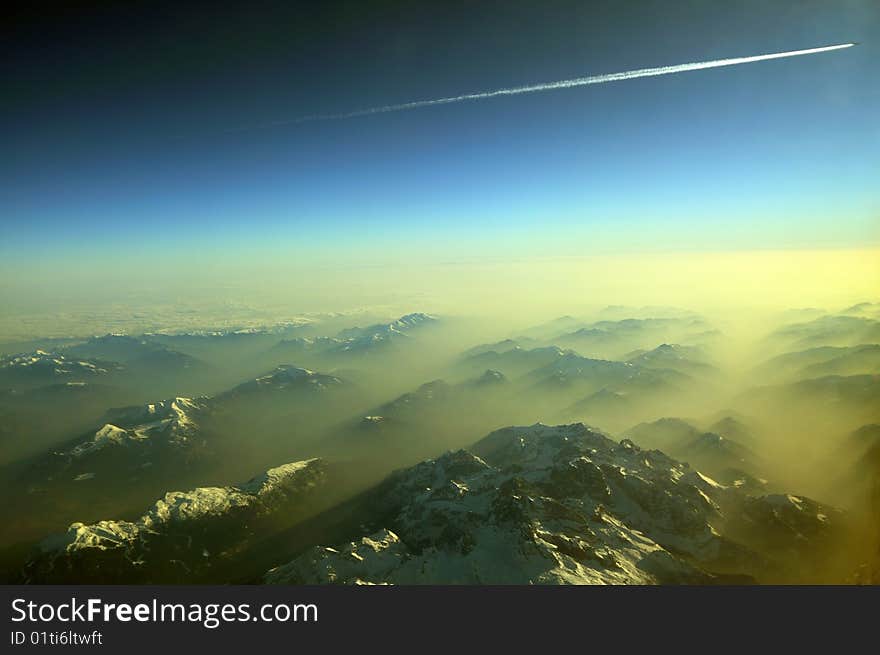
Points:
(121, 130)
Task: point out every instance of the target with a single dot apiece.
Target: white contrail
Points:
(562, 84)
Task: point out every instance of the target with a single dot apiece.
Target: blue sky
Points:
(123, 135)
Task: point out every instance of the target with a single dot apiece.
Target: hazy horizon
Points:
(519, 290)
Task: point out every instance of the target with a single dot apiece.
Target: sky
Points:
(160, 137)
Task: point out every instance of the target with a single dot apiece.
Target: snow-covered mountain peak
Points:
(182, 534)
(285, 372)
(281, 477)
(56, 365)
(287, 377)
(565, 505)
(171, 422)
